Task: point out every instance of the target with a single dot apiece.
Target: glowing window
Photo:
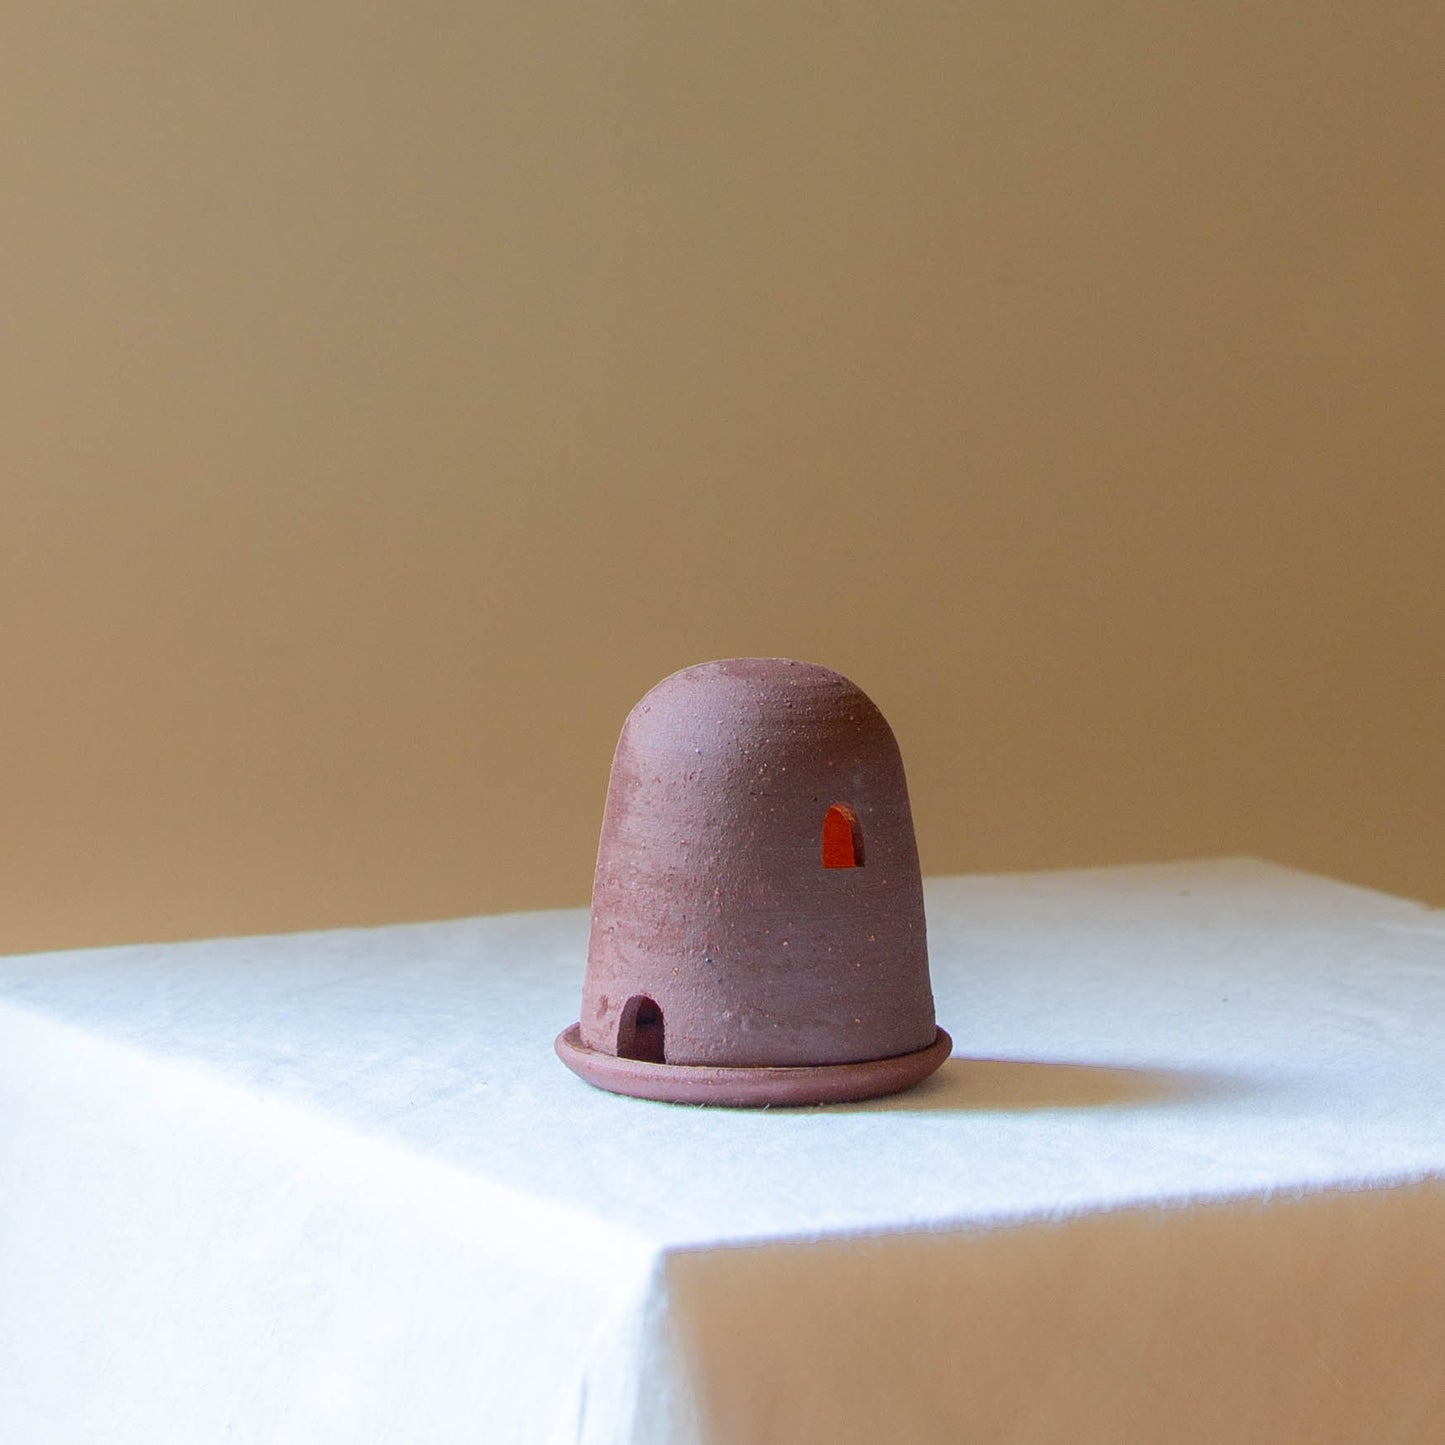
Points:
(842, 838)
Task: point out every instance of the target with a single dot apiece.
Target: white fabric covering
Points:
(1181, 1182)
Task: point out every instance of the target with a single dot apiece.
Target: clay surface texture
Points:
(757, 911)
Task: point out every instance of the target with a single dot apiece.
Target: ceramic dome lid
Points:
(757, 902)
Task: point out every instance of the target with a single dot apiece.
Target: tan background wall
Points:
(393, 392)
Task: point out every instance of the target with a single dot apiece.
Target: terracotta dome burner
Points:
(757, 912)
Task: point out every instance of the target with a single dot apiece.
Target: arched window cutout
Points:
(639, 1031)
(842, 838)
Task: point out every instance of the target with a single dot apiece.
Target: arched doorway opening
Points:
(639, 1031)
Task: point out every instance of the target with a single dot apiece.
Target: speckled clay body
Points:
(757, 911)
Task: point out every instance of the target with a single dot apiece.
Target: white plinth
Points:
(1181, 1182)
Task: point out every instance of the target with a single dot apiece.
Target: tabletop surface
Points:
(1157, 1034)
